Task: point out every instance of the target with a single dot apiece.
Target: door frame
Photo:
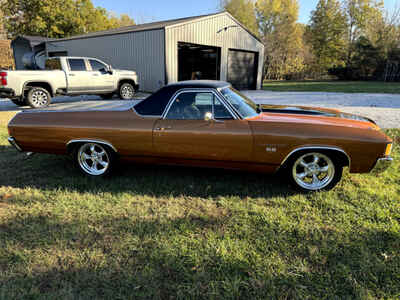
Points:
(218, 59)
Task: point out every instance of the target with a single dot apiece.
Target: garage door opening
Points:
(198, 62)
(242, 69)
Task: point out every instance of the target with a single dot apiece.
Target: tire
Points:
(126, 91)
(313, 171)
(19, 102)
(38, 97)
(106, 96)
(94, 159)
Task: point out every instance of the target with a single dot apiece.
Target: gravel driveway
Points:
(383, 108)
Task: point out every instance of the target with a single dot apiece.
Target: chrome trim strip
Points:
(200, 90)
(92, 141)
(13, 142)
(316, 148)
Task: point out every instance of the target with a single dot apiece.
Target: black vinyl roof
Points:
(193, 84)
(155, 104)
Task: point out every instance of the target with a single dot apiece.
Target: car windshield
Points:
(245, 107)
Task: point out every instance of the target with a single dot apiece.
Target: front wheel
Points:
(126, 91)
(94, 159)
(314, 171)
(38, 97)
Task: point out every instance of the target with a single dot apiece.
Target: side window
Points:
(194, 106)
(53, 64)
(220, 112)
(184, 108)
(96, 65)
(76, 64)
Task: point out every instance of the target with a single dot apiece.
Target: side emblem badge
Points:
(270, 149)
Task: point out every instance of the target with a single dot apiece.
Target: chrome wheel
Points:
(93, 159)
(127, 91)
(39, 98)
(313, 171)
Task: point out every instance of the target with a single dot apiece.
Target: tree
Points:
(327, 34)
(358, 14)
(243, 11)
(367, 59)
(121, 21)
(56, 18)
(282, 37)
(3, 34)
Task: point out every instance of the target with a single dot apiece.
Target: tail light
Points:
(3, 78)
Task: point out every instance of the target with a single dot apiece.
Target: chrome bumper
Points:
(13, 142)
(382, 164)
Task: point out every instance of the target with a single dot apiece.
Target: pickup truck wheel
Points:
(126, 91)
(38, 97)
(94, 159)
(314, 171)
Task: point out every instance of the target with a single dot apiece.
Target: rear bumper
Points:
(381, 165)
(13, 142)
(7, 93)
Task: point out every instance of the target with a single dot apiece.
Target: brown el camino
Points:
(208, 123)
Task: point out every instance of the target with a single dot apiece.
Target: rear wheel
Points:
(94, 159)
(126, 91)
(314, 171)
(38, 97)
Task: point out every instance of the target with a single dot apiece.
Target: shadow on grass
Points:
(49, 172)
(121, 258)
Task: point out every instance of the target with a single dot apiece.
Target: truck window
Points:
(96, 65)
(76, 64)
(53, 64)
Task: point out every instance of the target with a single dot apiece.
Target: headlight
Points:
(388, 149)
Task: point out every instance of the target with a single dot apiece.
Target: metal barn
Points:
(213, 46)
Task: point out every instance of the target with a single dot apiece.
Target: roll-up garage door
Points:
(242, 69)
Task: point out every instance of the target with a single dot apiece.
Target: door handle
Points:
(95, 74)
(163, 128)
(71, 74)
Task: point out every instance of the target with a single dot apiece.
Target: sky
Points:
(157, 10)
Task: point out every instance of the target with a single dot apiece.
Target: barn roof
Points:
(150, 26)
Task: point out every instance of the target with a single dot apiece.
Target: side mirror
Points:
(208, 116)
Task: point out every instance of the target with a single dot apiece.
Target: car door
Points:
(198, 125)
(101, 78)
(78, 77)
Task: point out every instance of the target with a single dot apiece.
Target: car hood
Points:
(313, 115)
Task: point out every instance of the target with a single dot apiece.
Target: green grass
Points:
(162, 233)
(333, 86)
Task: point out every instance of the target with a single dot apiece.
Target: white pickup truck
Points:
(70, 76)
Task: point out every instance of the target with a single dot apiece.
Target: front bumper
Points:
(381, 165)
(7, 93)
(13, 142)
